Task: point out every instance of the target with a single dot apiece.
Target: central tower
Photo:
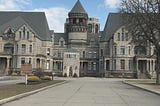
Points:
(77, 24)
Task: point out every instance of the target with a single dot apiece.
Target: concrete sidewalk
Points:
(145, 84)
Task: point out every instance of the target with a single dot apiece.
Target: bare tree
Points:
(142, 18)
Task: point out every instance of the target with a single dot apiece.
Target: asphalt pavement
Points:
(90, 92)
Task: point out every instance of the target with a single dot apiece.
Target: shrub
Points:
(14, 74)
(65, 75)
(75, 75)
(46, 77)
(33, 79)
(38, 73)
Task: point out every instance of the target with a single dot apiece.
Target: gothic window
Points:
(30, 48)
(20, 34)
(83, 54)
(48, 65)
(9, 48)
(122, 62)
(23, 48)
(119, 37)
(22, 60)
(122, 50)
(115, 50)
(89, 28)
(140, 50)
(48, 51)
(101, 52)
(30, 61)
(126, 36)
(97, 29)
(123, 37)
(27, 34)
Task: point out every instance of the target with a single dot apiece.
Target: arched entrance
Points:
(70, 72)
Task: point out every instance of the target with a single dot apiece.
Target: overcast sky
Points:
(57, 10)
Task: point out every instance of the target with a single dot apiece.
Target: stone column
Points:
(7, 67)
(147, 66)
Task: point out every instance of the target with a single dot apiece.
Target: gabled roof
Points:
(78, 8)
(114, 22)
(36, 20)
(58, 36)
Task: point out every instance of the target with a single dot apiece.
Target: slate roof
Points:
(35, 20)
(78, 8)
(114, 22)
(58, 36)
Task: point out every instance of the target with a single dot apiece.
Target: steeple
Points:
(78, 8)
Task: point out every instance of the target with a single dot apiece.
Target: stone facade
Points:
(82, 49)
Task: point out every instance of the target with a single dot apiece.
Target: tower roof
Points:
(78, 8)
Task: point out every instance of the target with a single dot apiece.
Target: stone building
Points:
(25, 38)
(82, 50)
(82, 34)
(121, 57)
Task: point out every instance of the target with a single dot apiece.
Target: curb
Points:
(149, 90)
(6, 100)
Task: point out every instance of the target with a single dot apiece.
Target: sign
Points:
(26, 68)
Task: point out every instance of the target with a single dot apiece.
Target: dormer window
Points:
(61, 42)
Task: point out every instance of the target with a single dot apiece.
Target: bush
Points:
(65, 75)
(38, 73)
(75, 75)
(46, 77)
(14, 74)
(33, 79)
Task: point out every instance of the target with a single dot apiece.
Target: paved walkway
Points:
(146, 84)
(90, 92)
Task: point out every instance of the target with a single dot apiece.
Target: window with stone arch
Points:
(96, 28)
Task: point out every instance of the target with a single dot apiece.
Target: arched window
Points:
(89, 28)
(140, 50)
(9, 48)
(97, 29)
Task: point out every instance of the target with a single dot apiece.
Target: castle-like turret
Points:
(77, 24)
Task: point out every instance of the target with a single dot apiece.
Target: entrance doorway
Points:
(70, 72)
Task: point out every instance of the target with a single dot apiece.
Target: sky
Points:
(57, 10)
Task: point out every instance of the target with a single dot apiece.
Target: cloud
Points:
(56, 17)
(112, 3)
(12, 5)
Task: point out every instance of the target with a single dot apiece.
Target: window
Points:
(20, 34)
(61, 43)
(48, 65)
(27, 34)
(123, 37)
(114, 64)
(94, 66)
(48, 51)
(23, 34)
(59, 54)
(129, 50)
(130, 64)
(90, 28)
(30, 61)
(22, 60)
(115, 50)
(23, 48)
(30, 48)
(122, 50)
(97, 29)
(122, 64)
(126, 35)
(17, 48)
(84, 54)
(101, 52)
(119, 37)
(89, 65)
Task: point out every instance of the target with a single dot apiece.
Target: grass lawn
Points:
(14, 89)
